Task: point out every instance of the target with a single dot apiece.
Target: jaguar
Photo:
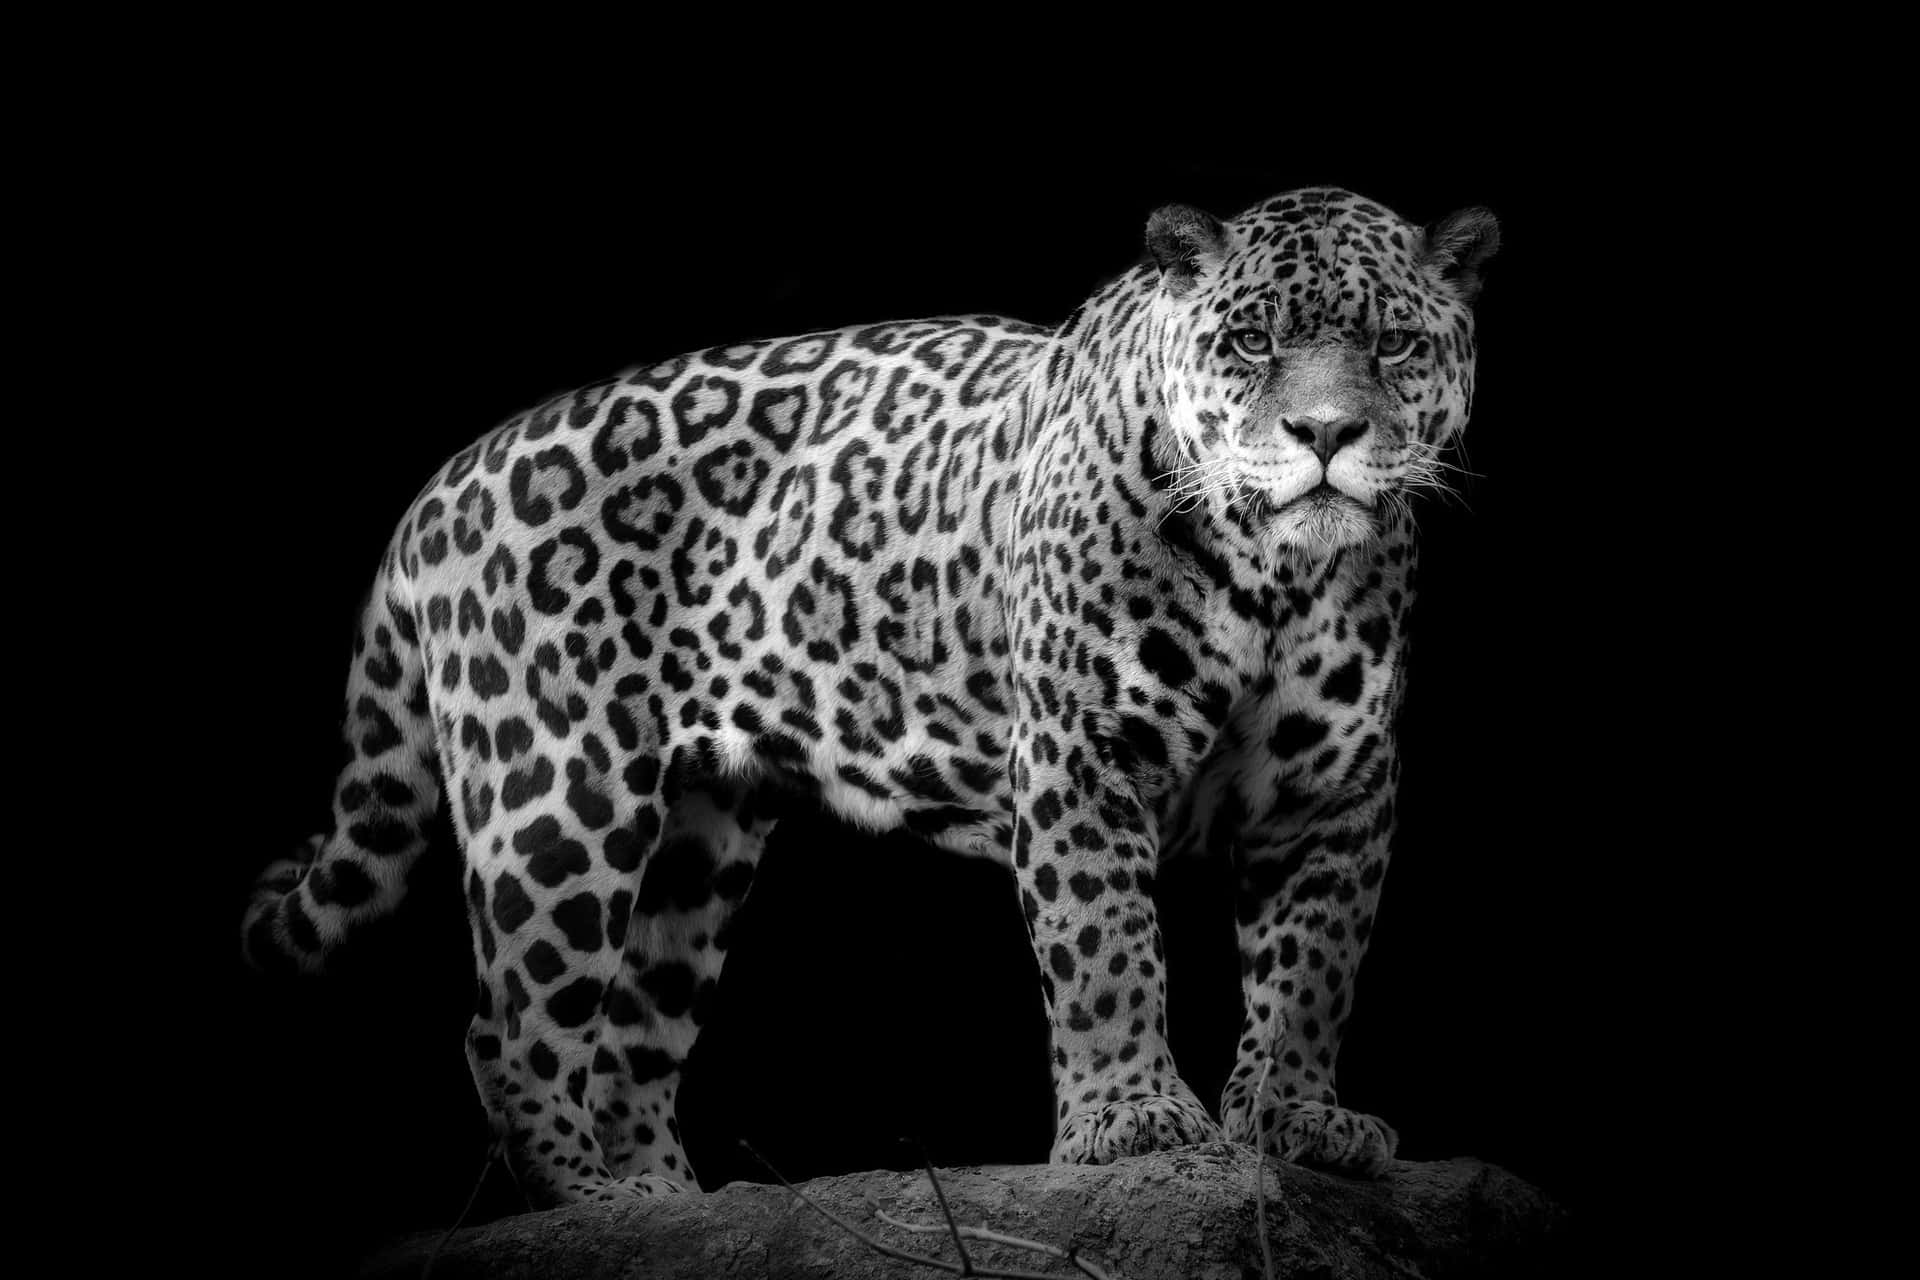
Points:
(1077, 599)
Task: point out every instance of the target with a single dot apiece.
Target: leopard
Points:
(1079, 599)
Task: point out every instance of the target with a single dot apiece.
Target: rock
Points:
(1188, 1213)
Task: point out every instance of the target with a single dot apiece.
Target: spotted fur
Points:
(1077, 600)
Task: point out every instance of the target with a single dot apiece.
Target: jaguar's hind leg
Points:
(550, 889)
(693, 883)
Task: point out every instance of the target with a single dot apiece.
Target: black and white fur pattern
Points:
(1076, 600)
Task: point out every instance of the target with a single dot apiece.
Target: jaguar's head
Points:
(1318, 355)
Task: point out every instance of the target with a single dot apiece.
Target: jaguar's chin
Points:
(1322, 520)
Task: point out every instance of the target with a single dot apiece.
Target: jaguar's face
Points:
(1318, 355)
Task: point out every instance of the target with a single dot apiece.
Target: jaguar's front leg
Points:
(1084, 856)
(1305, 900)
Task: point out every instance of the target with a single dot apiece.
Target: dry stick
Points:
(497, 1151)
(1260, 1149)
(1260, 1183)
(903, 1255)
(883, 1249)
(986, 1236)
(959, 1245)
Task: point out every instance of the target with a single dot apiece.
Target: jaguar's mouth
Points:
(1322, 518)
(1325, 494)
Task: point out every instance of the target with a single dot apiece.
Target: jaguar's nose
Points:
(1325, 436)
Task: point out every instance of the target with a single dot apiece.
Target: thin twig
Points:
(842, 1223)
(904, 1255)
(1260, 1180)
(497, 1151)
(959, 1245)
(1260, 1105)
(987, 1236)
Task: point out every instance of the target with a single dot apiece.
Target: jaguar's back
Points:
(636, 615)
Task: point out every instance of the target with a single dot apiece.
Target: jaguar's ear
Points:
(1458, 245)
(1181, 238)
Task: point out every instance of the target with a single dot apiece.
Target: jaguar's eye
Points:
(1395, 345)
(1253, 344)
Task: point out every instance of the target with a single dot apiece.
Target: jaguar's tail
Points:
(303, 907)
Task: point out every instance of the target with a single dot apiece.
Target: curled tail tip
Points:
(278, 934)
(304, 908)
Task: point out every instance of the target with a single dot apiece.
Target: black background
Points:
(382, 287)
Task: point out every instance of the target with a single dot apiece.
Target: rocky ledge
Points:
(1192, 1213)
